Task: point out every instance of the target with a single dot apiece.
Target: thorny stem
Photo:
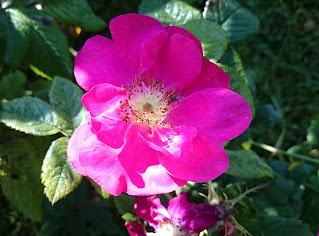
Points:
(276, 150)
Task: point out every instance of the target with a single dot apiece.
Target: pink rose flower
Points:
(158, 112)
(182, 217)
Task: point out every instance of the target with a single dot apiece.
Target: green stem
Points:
(65, 134)
(276, 150)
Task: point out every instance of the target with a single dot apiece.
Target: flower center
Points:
(148, 102)
(168, 229)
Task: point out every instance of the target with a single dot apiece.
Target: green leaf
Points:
(124, 203)
(169, 12)
(49, 53)
(219, 11)
(74, 12)
(247, 164)
(12, 85)
(237, 21)
(267, 116)
(240, 24)
(29, 115)
(284, 226)
(15, 37)
(239, 85)
(58, 175)
(20, 177)
(128, 217)
(212, 37)
(65, 98)
(313, 133)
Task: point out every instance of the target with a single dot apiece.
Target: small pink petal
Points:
(218, 114)
(209, 161)
(180, 63)
(104, 99)
(135, 228)
(191, 216)
(211, 76)
(151, 210)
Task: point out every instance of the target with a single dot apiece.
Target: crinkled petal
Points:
(175, 141)
(191, 216)
(180, 63)
(151, 210)
(109, 130)
(171, 30)
(143, 169)
(104, 99)
(79, 136)
(135, 228)
(211, 76)
(103, 102)
(209, 161)
(217, 114)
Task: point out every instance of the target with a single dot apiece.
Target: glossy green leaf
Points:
(212, 37)
(49, 54)
(219, 10)
(29, 115)
(58, 175)
(15, 37)
(237, 21)
(239, 85)
(124, 203)
(12, 85)
(313, 133)
(20, 177)
(65, 98)
(169, 12)
(247, 164)
(74, 12)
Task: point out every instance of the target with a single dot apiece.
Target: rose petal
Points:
(180, 63)
(135, 228)
(177, 30)
(209, 161)
(143, 168)
(176, 141)
(151, 210)
(218, 114)
(133, 168)
(191, 216)
(82, 133)
(104, 99)
(211, 76)
(100, 62)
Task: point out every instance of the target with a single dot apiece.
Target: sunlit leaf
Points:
(58, 175)
(65, 98)
(29, 115)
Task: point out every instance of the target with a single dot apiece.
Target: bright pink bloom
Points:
(182, 217)
(158, 112)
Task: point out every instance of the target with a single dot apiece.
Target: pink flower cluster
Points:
(180, 218)
(158, 112)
